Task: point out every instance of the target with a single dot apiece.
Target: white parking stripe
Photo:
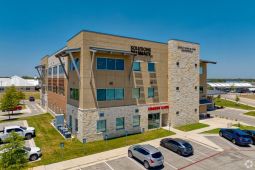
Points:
(136, 162)
(108, 165)
(229, 143)
(170, 165)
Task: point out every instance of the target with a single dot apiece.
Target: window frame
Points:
(139, 93)
(123, 126)
(154, 68)
(100, 131)
(139, 123)
(149, 96)
(136, 63)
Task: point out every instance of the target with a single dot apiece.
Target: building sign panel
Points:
(186, 49)
(153, 108)
(141, 50)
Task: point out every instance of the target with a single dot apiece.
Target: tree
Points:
(21, 95)
(10, 100)
(237, 99)
(13, 156)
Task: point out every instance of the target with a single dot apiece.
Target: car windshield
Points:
(245, 136)
(187, 145)
(22, 127)
(156, 155)
(27, 148)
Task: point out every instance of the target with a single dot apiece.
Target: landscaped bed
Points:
(251, 113)
(191, 127)
(48, 139)
(244, 127)
(228, 103)
(213, 131)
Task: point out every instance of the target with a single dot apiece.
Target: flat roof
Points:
(165, 43)
(208, 61)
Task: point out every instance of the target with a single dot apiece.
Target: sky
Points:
(225, 29)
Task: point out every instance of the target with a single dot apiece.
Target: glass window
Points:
(136, 93)
(74, 94)
(49, 71)
(150, 92)
(136, 66)
(119, 94)
(101, 125)
(61, 69)
(110, 64)
(101, 63)
(120, 64)
(110, 94)
(136, 120)
(76, 125)
(120, 123)
(201, 89)
(77, 62)
(151, 67)
(201, 70)
(101, 94)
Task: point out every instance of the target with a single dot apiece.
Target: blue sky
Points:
(225, 29)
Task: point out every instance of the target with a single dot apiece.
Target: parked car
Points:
(177, 145)
(19, 107)
(147, 154)
(31, 99)
(26, 132)
(236, 136)
(251, 133)
(33, 153)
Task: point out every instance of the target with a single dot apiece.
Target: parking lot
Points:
(172, 161)
(205, 158)
(28, 143)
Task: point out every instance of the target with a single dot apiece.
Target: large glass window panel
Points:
(150, 92)
(120, 123)
(136, 93)
(136, 120)
(119, 94)
(136, 66)
(101, 63)
(101, 94)
(101, 125)
(110, 64)
(110, 94)
(120, 64)
(151, 67)
(201, 70)
(153, 120)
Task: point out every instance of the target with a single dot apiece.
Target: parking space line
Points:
(138, 164)
(229, 143)
(108, 165)
(170, 165)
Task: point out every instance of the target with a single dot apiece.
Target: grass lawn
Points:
(227, 103)
(251, 113)
(48, 139)
(191, 127)
(213, 131)
(244, 127)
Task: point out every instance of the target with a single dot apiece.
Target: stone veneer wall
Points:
(87, 121)
(186, 77)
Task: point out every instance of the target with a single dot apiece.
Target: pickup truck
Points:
(26, 132)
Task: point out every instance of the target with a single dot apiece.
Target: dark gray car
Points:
(147, 154)
(177, 145)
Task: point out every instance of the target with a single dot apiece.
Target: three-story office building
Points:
(120, 85)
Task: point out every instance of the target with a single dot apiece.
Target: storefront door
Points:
(153, 120)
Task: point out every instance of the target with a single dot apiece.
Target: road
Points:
(234, 114)
(242, 99)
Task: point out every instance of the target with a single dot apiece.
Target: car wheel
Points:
(28, 136)
(33, 157)
(146, 164)
(220, 134)
(233, 141)
(130, 155)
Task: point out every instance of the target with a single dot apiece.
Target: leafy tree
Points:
(10, 100)
(13, 156)
(21, 95)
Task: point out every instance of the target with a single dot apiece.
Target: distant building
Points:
(239, 87)
(26, 85)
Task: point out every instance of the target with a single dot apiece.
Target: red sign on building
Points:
(153, 108)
